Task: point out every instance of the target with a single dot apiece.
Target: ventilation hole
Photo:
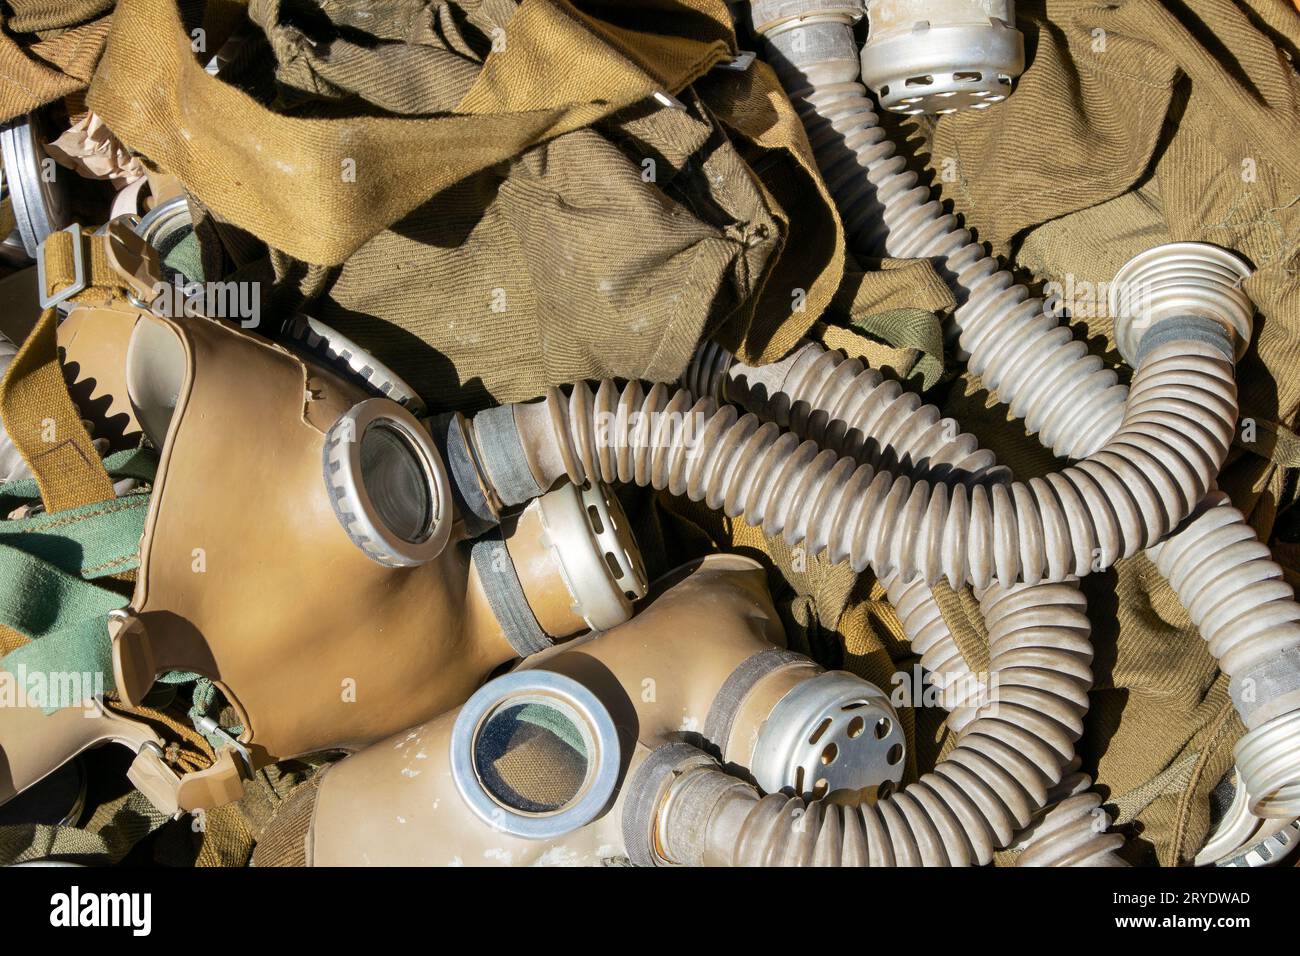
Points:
(884, 90)
(829, 754)
(820, 789)
(856, 726)
(594, 514)
(614, 567)
(798, 781)
(824, 726)
(926, 80)
(883, 726)
(967, 76)
(629, 595)
(855, 705)
(895, 755)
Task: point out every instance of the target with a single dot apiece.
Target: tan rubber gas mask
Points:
(554, 762)
(303, 551)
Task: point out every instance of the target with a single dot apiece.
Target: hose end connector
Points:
(1268, 760)
(1185, 281)
(941, 56)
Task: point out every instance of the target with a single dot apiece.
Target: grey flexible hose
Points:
(1020, 351)
(1238, 599)
(1013, 343)
(837, 402)
(852, 410)
(1128, 496)
(1016, 746)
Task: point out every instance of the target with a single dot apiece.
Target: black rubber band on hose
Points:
(643, 790)
(1184, 328)
(722, 712)
(466, 491)
(505, 595)
(503, 456)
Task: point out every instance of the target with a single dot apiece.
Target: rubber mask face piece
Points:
(299, 549)
(533, 767)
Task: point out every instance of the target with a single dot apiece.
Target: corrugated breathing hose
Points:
(1128, 496)
(1046, 377)
(1072, 831)
(1014, 748)
(840, 404)
(1013, 343)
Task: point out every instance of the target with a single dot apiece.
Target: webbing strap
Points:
(39, 599)
(46, 561)
(45, 425)
(92, 541)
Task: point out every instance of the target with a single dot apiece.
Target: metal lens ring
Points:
(545, 712)
(39, 201)
(388, 484)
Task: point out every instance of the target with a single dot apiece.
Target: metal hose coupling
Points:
(941, 56)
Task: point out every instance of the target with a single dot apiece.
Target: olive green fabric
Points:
(319, 187)
(600, 200)
(120, 825)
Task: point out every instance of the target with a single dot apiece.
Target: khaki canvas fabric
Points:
(36, 70)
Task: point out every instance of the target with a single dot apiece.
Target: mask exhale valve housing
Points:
(941, 56)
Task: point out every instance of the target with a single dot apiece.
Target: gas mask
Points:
(540, 765)
(303, 551)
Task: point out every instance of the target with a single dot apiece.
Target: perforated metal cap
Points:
(832, 732)
(388, 484)
(340, 352)
(941, 56)
(591, 541)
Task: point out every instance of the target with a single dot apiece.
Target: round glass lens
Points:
(396, 483)
(531, 757)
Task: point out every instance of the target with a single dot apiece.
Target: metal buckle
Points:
(78, 269)
(741, 62)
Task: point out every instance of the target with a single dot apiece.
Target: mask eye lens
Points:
(535, 753)
(396, 482)
(531, 757)
(387, 484)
